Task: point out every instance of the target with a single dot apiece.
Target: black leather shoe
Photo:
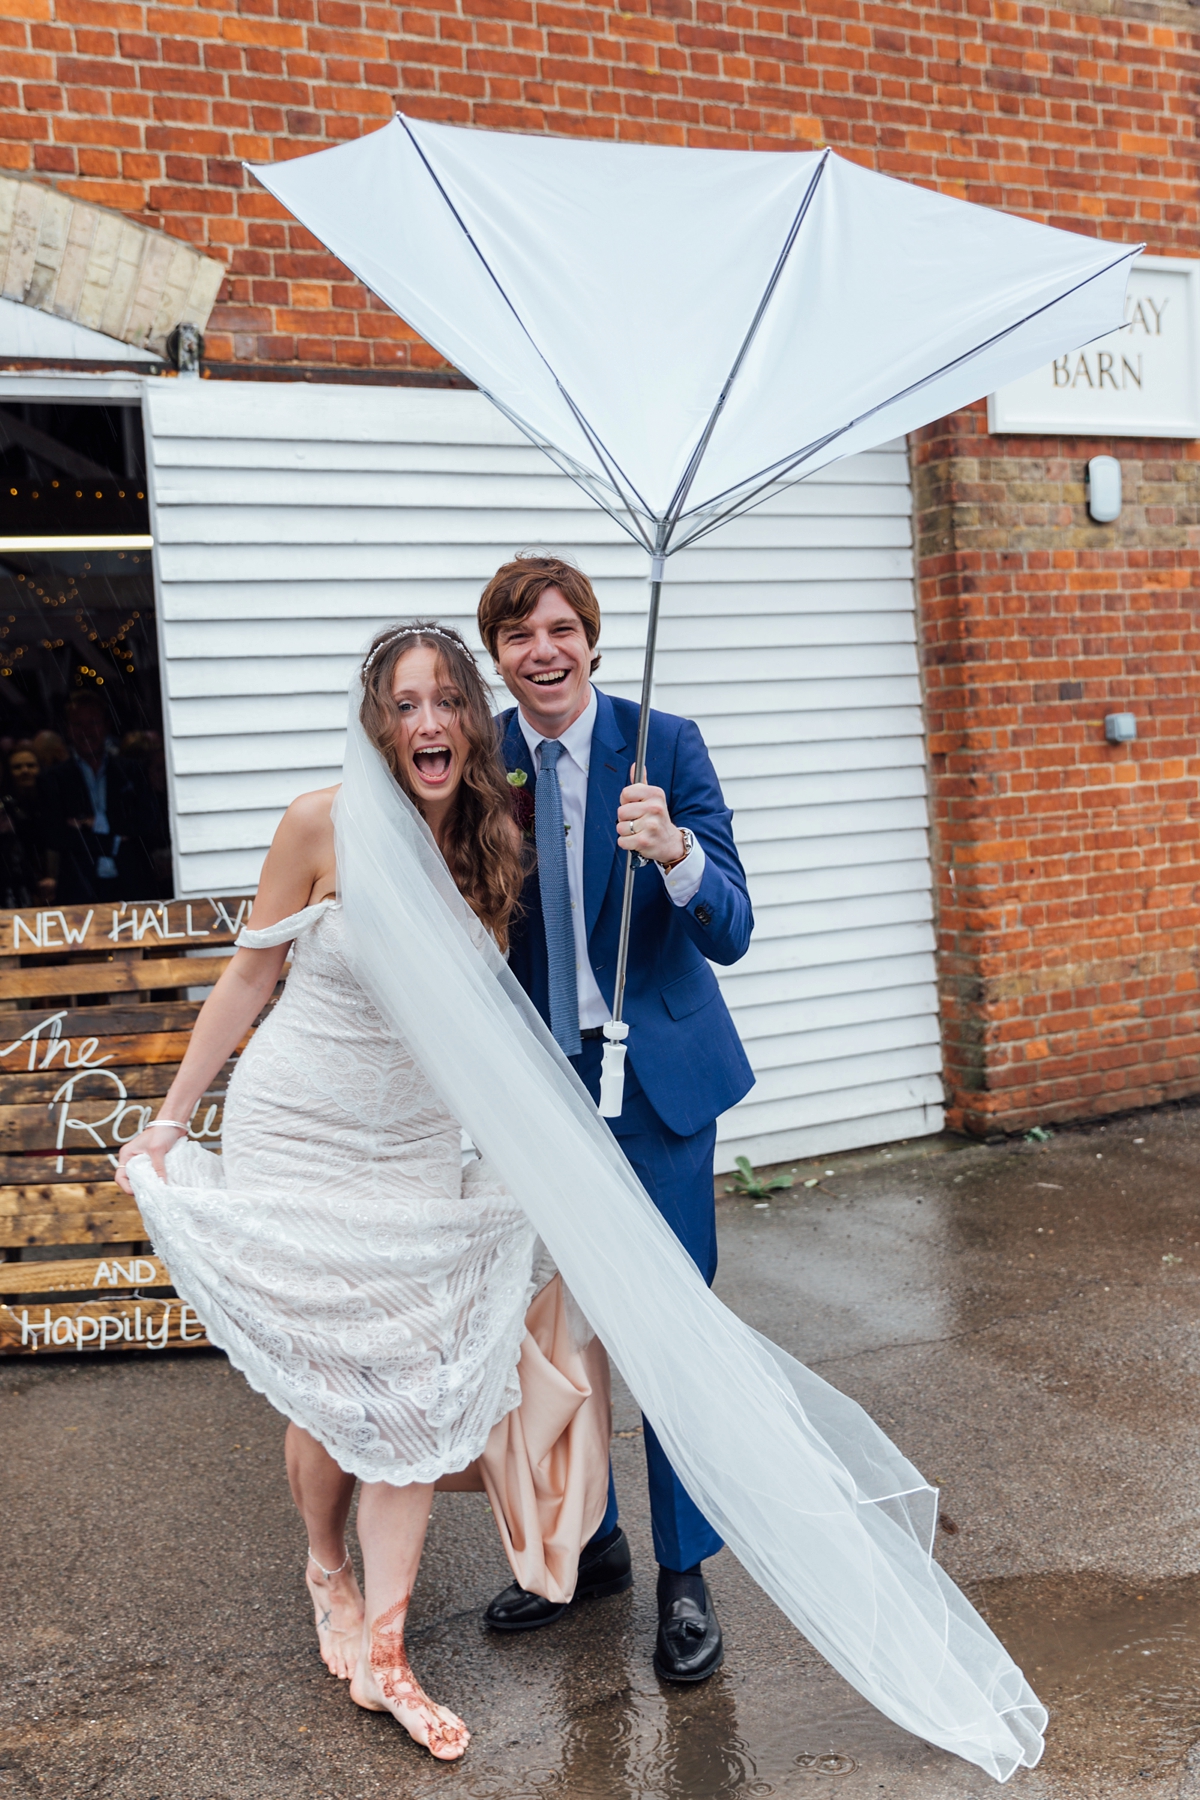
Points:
(689, 1645)
(603, 1569)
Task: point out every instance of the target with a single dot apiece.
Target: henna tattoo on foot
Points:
(442, 1733)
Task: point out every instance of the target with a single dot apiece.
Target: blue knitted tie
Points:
(556, 900)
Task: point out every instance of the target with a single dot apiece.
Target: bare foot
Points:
(338, 1605)
(384, 1682)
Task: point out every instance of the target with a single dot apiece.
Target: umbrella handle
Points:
(612, 1069)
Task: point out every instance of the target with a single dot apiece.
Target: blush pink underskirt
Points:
(545, 1467)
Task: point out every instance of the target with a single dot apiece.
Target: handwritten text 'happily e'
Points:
(76, 1331)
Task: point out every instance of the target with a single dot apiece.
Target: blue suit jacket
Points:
(682, 1041)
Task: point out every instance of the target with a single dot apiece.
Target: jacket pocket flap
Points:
(690, 992)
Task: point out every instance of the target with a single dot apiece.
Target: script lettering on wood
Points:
(96, 1006)
(130, 922)
(124, 1325)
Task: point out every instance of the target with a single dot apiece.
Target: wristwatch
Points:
(689, 844)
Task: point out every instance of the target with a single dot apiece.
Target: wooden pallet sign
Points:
(96, 1004)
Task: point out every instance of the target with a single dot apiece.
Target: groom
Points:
(569, 750)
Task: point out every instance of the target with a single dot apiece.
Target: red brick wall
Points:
(1082, 117)
(1067, 869)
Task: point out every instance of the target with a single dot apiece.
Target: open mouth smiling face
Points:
(430, 736)
(433, 764)
(545, 660)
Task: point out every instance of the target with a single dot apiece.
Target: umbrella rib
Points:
(775, 472)
(636, 507)
(745, 498)
(674, 511)
(624, 487)
(566, 466)
(620, 480)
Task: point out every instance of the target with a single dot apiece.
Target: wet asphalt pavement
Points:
(1023, 1319)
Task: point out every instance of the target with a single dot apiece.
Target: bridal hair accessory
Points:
(330, 1573)
(414, 630)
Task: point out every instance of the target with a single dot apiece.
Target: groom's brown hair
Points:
(517, 586)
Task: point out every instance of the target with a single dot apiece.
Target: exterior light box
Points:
(1104, 489)
(1141, 381)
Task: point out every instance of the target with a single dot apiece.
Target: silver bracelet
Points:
(175, 1123)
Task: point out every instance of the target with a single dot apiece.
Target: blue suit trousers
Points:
(677, 1173)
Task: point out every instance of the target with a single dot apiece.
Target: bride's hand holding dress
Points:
(300, 869)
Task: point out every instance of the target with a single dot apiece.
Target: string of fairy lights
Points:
(130, 493)
(116, 646)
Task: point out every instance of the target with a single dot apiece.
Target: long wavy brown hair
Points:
(480, 840)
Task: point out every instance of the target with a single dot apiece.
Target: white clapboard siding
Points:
(291, 522)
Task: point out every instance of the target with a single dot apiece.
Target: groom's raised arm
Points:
(718, 916)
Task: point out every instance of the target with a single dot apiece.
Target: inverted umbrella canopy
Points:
(685, 332)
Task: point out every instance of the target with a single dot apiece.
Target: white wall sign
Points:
(1141, 381)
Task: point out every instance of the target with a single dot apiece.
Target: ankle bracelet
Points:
(330, 1573)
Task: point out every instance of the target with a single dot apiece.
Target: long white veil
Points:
(826, 1514)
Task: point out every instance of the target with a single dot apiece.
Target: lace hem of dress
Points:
(423, 1473)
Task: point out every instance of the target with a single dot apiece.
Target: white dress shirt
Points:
(682, 882)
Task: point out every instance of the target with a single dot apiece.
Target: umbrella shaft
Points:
(639, 774)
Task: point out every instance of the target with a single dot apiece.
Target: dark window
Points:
(79, 677)
(71, 470)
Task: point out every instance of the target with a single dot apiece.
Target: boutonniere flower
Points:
(522, 801)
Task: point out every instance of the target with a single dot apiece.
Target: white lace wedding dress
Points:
(363, 1279)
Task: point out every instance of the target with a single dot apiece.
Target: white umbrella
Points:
(686, 332)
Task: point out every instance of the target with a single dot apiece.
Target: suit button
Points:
(703, 915)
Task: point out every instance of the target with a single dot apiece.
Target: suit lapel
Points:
(608, 773)
(515, 750)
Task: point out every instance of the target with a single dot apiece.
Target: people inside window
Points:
(99, 813)
(23, 852)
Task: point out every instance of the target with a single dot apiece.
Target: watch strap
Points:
(689, 844)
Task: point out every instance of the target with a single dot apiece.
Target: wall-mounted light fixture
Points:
(1104, 489)
(185, 347)
(1120, 728)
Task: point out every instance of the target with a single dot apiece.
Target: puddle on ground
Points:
(670, 1744)
(719, 1742)
(1117, 1665)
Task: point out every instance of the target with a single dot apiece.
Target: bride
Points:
(364, 1280)
(376, 1291)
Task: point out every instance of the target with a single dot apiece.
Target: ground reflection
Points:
(1117, 1664)
(636, 1743)
(667, 1744)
